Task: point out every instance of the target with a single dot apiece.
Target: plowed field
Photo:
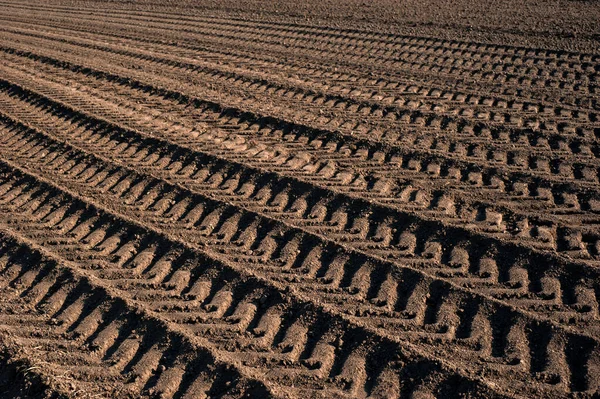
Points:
(236, 200)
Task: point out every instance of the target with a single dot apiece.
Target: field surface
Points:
(288, 199)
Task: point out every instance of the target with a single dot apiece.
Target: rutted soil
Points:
(237, 204)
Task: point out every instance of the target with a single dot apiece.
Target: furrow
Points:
(360, 170)
(343, 73)
(352, 224)
(497, 69)
(362, 38)
(389, 83)
(569, 205)
(277, 200)
(350, 282)
(85, 341)
(366, 38)
(247, 189)
(269, 329)
(538, 129)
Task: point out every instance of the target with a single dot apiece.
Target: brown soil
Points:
(299, 199)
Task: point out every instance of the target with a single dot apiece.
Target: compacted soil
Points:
(320, 199)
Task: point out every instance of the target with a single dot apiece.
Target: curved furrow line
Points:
(544, 165)
(478, 152)
(310, 348)
(86, 341)
(183, 159)
(349, 79)
(370, 37)
(570, 237)
(364, 46)
(366, 38)
(270, 195)
(232, 204)
(370, 280)
(396, 119)
(407, 63)
(461, 49)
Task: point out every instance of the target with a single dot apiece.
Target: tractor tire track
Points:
(220, 206)
(219, 222)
